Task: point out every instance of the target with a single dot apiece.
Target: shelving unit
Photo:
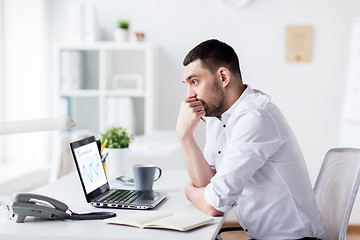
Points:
(88, 77)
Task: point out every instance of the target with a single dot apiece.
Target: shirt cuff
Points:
(214, 200)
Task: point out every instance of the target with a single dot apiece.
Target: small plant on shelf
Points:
(121, 33)
(124, 24)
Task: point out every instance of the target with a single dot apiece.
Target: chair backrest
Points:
(335, 190)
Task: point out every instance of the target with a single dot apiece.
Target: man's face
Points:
(203, 85)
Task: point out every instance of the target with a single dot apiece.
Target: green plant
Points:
(124, 24)
(117, 137)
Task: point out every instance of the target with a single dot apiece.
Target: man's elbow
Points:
(200, 183)
(213, 212)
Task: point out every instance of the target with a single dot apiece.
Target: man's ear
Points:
(224, 76)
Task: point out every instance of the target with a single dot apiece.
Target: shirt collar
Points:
(226, 115)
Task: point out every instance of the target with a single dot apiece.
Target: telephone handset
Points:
(28, 204)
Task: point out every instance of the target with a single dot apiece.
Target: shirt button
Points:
(224, 125)
(246, 230)
(219, 152)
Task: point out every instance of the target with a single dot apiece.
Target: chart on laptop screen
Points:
(90, 166)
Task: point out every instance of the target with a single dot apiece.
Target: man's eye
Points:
(194, 81)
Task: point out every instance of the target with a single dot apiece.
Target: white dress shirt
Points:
(260, 171)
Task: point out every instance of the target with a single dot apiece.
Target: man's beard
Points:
(213, 107)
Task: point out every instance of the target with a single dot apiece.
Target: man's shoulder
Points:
(255, 102)
(256, 110)
(256, 98)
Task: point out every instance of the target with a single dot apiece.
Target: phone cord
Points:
(90, 216)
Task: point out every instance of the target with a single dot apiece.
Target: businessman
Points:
(251, 161)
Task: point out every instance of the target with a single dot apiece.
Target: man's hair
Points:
(213, 55)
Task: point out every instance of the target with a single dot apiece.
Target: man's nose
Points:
(190, 93)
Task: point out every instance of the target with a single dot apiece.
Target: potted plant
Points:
(117, 147)
(121, 33)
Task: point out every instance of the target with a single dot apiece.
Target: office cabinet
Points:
(105, 83)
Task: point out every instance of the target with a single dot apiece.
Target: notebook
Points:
(96, 187)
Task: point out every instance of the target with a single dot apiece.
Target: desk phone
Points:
(39, 206)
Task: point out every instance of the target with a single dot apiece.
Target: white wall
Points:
(24, 87)
(309, 94)
(2, 92)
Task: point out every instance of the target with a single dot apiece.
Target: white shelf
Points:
(105, 45)
(79, 93)
(87, 87)
(125, 93)
(97, 93)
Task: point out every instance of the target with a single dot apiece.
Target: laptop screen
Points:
(90, 166)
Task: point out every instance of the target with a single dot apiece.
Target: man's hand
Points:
(189, 116)
(196, 196)
(191, 110)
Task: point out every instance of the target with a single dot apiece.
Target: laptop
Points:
(94, 182)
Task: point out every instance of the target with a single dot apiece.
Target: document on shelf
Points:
(157, 219)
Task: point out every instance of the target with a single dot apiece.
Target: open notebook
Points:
(158, 219)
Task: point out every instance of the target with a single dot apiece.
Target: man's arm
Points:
(196, 196)
(189, 116)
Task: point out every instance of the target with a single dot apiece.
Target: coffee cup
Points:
(144, 176)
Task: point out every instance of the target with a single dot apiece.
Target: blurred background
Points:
(318, 96)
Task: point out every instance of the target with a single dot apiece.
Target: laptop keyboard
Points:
(123, 196)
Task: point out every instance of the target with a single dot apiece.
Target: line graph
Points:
(91, 167)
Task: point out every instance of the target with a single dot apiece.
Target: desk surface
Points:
(68, 190)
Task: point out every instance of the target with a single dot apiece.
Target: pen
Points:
(103, 160)
(104, 157)
(103, 146)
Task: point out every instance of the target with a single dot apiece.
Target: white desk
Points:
(68, 190)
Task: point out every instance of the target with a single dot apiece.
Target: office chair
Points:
(335, 191)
